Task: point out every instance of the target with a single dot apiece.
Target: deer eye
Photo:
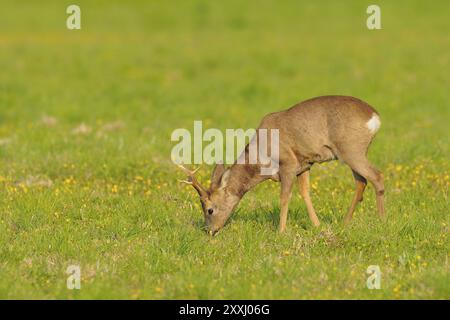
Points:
(210, 211)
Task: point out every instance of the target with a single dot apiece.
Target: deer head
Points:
(217, 202)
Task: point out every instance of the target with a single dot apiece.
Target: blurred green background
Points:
(85, 171)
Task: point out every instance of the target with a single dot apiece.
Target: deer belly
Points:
(275, 177)
(325, 154)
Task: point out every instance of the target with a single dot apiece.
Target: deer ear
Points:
(225, 177)
(217, 175)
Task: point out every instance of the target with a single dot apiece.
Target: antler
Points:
(193, 181)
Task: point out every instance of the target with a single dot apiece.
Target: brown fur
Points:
(316, 130)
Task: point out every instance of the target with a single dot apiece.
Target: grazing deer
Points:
(317, 130)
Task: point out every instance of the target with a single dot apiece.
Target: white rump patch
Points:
(374, 123)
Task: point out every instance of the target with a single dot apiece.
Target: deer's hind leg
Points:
(303, 184)
(363, 167)
(361, 184)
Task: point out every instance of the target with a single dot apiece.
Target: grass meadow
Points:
(85, 172)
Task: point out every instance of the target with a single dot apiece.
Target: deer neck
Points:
(244, 177)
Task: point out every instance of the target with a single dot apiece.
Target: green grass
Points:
(107, 199)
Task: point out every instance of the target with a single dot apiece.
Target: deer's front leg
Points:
(287, 180)
(303, 181)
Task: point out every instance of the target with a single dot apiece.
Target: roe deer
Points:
(317, 130)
